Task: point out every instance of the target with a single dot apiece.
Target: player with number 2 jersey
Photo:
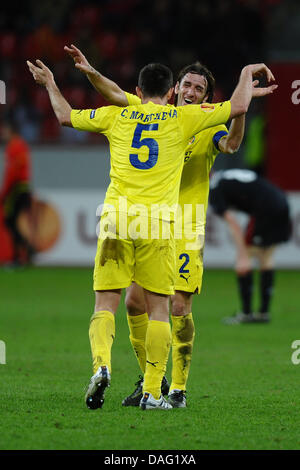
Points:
(200, 153)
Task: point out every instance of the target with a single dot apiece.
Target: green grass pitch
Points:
(243, 390)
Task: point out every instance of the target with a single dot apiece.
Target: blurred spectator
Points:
(15, 195)
(119, 37)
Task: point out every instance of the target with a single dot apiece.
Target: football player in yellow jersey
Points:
(195, 85)
(139, 174)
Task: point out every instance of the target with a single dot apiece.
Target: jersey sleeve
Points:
(132, 99)
(196, 118)
(218, 134)
(215, 135)
(94, 120)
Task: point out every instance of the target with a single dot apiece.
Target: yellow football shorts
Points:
(189, 265)
(134, 255)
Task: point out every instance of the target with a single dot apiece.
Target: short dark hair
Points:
(198, 69)
(155, 80)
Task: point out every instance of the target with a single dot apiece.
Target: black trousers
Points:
(14, 205)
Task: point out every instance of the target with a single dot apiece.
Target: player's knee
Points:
(107, 300)
(179, 307)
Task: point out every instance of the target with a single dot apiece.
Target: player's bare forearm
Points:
(110, 91)
(106, 87)
(242, 94)
(232, 141)
(236, 232)
(60, 106)
(43, 76)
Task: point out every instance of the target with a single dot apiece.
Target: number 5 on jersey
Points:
(138, 142)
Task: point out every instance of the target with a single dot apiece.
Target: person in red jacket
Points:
(15, 194)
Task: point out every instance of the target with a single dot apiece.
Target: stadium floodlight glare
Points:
(2, 92)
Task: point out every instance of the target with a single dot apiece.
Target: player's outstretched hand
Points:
(80, 60)
(41, 73)
(258, 91)
(259, 71)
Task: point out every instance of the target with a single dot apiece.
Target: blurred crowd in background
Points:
(118, 37)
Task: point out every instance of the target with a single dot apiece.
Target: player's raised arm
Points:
(43, 76)
(244, 90)
(232, 141)
(106, 87)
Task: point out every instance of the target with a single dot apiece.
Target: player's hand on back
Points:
(79, 58)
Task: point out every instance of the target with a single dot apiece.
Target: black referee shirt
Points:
(244, 191)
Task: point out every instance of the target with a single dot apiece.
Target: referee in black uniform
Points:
(269, 224)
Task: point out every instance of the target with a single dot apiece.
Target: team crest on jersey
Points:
(207, 107)
(192, 140)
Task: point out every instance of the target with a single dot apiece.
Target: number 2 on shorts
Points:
(182, 270)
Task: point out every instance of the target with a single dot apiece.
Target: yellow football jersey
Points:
(147, 146)
(200, 154)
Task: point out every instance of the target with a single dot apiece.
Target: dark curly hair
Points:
(198, 69)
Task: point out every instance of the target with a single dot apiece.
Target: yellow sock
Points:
(183, 334)
(138, 325)
(102, 334)
(158, 342)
